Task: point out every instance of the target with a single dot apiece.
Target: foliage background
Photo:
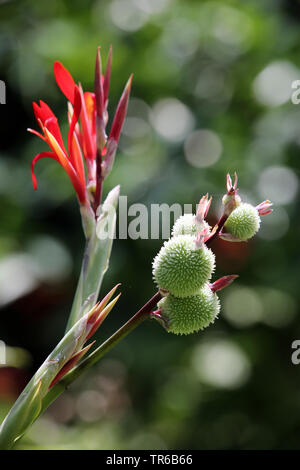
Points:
(225, 67)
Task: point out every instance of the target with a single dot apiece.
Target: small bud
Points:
(190, 314)
(120, 112)
(231, 199)
(181, 268)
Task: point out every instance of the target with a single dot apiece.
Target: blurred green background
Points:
(211, 94)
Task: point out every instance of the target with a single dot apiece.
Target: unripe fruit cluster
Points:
(183, 269)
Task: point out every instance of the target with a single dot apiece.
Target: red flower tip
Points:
(120, 112)
(99, 316)
(264, 207)
(223, 282)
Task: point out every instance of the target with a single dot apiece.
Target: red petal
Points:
(89, 144)
(35, 160)
(75, 156)
(36, 133)
(67, 165)
(90, 104)
(64, 80)
(42, 112)
(52, 125)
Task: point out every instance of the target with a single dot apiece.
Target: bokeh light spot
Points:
(272, 86)
(172, 119)
(279, 184)
(202, 148)
(221, 363)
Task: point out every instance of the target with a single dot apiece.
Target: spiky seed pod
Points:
(187, 225)
(181, 268)
(186, 315)
(243, 222)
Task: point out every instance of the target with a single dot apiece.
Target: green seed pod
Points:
(181, 268)
(189, 314)
(187, 225)
(243, 222)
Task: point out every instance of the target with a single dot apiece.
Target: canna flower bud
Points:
(181, 267)
(242, 224)
(190, 314)
(231, 199)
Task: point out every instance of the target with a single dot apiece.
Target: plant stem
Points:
(220, 225)
(129, 326)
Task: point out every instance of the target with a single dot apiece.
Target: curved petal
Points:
(64, 80)
(32, 131)
(35, 160)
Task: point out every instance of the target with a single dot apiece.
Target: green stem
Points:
(96, 258)
(129, 326)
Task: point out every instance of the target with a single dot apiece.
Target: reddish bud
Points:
(120, 113)
(70, 364)
(203, 208)
(264, 207)
(223, 282)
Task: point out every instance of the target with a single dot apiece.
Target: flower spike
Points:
(87, 140)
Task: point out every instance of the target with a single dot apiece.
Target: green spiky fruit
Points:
(186, 225)
(186, 315)
(181, 268)
(243, 222)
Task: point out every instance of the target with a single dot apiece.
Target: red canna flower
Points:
(87, 139)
